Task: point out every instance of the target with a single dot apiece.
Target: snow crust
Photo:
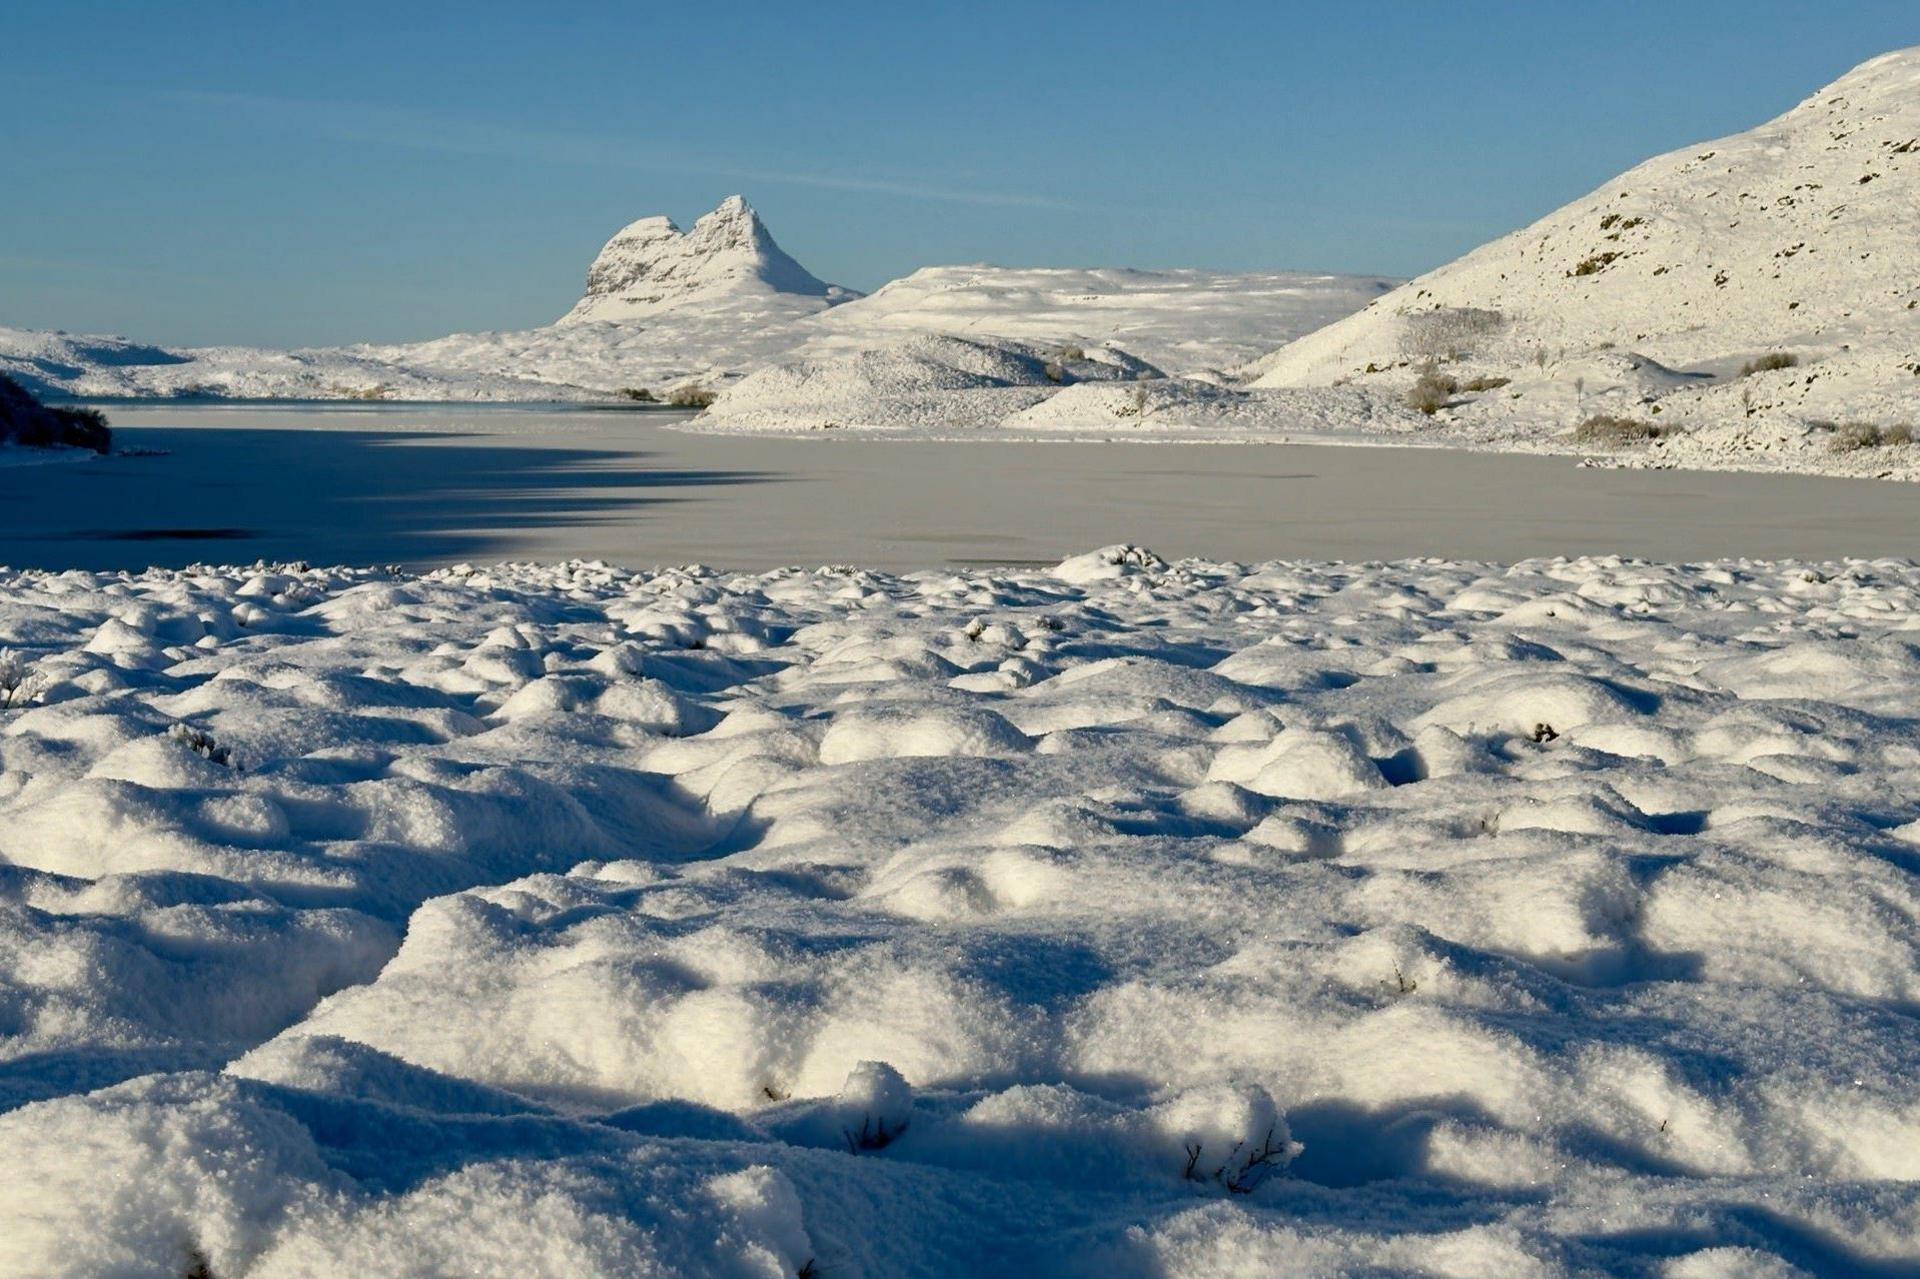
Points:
(1125, 917)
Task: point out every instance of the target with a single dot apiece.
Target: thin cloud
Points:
(387, 126)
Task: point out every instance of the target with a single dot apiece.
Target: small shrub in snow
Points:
(884, 1101)
(18, 684)
(1245, 1166)
(691, 396)
(1446, 332)
(202, 743)
(874, 1133)
(1485, 383)
(1768, 363)
(1055, 371)
(1851, 437)
(1431, 391)
(1614, 432)
(1066, 354)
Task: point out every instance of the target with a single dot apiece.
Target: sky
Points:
(291, 174)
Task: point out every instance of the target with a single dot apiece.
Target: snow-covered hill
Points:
(1182, 321)
(1797, 240)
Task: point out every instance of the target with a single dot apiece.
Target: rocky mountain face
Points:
(653, 266)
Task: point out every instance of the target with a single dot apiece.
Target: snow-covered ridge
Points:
(1122, 917)
(1183, 321)
(1800, 237)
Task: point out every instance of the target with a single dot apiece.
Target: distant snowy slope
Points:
(45, 361)
(98, 366)
(1801, 236)
(910, 383)
(1183, 321)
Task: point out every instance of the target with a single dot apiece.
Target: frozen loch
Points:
(1122, 917)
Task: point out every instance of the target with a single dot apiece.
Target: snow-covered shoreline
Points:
(1122, 917)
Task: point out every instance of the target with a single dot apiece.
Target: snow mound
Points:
(955, 382)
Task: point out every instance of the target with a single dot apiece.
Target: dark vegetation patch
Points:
(1614, 432)
(25, 421)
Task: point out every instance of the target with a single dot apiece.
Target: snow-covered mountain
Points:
(652, 266)
(1799, 239)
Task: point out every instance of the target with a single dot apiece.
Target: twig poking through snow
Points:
(202, 743)
(874, 1134)
(1240, 1175)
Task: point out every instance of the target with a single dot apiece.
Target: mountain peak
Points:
(652, 265)
(734, 207)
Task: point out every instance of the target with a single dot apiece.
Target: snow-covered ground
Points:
(1120, 918)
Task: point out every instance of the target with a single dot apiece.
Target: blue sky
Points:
(286, 174)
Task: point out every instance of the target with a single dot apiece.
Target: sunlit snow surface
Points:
(1116, 919)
